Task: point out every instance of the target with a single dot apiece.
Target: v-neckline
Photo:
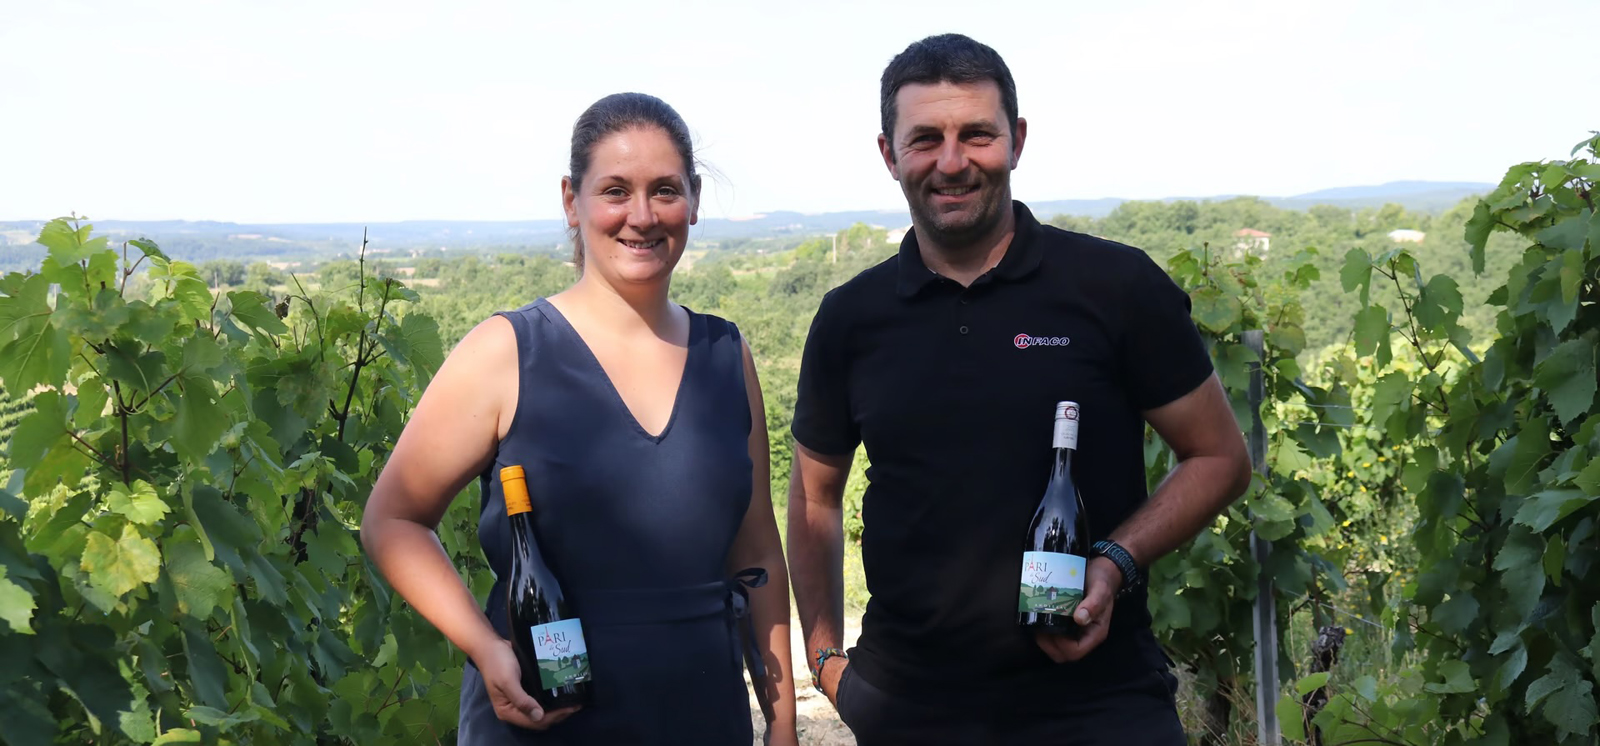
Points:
(616, 394)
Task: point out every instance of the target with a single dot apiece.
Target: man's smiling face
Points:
(953, 152)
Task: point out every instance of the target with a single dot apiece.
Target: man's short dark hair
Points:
(946, 58)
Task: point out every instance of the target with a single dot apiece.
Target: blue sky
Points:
(308, 111)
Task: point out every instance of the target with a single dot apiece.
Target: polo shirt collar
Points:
(1021, 259)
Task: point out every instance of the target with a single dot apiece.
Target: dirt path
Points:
(818, 723)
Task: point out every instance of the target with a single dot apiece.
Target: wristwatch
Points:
(1132, 577)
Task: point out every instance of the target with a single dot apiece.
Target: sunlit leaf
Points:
(16, 605)
(201, 586)
(69, 245)
(250, 308)
(120, 565)
(139, 503)
(1214, 309)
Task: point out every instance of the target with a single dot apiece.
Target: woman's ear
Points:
(694, 208)
(569, 201)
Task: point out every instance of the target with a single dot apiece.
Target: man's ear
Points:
(887, 150)
(569, 201)
(1018, 140)
(1020, 137)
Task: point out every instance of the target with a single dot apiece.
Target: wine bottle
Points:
(546, 635)
(1057, 547)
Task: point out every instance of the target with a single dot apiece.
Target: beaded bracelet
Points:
(823, 654)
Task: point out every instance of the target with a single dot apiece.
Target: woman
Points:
(642, 432)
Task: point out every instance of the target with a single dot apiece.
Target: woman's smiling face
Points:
(634, 207)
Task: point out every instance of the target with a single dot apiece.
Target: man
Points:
(946, 361)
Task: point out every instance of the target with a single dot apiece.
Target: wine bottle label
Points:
(1066, 435)
(563, 658)
(1052, 583)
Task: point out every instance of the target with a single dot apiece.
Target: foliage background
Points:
(188, 449)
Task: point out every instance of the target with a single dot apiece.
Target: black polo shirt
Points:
(952, 390)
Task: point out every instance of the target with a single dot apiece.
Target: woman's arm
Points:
(450, 438)
(757, 545)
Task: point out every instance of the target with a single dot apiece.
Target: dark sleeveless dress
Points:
(637, 528)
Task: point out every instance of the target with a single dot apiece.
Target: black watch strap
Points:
(1132, 576)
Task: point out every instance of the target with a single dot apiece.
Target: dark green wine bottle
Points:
(1057, 545)
(546, 635)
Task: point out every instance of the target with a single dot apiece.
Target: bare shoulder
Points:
(492, 336)
(484, 350)
(744, 351)
(480, 373)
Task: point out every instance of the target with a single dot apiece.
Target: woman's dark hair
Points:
(946, 58)
(616, 113)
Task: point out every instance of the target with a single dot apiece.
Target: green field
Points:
(554, 673)
(1037, 598)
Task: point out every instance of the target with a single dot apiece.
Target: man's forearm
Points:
(816, 565)
(1187, 501)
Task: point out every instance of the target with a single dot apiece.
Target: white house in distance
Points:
(897, 235)
(1252, 240)
(1406, 235)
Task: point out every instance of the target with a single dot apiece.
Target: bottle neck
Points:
(1063, 460)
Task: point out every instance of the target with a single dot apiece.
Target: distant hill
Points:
(1395, 189)
(286, 242)
(1417, 196)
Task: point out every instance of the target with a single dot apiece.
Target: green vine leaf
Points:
(41, 431)
(16, 605)
(201, 586)
(1312, 683)
(177, 736)
(1456, 614)
(1571, 275)
(1439, 304)
(1568, 377)
(1570, 705)
(1568, 234)
(1357, 272)
(206, 673)
(1543, 510)
(250, 308)
(120, 565)
(1512, 668)
(1214, 309)
(201, 421)
(1372, 334)
(1457, 679)
(70, 245)
(1479, 226)
(1588, 480)
(139, 503)
(214, 717)
(40, 355)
